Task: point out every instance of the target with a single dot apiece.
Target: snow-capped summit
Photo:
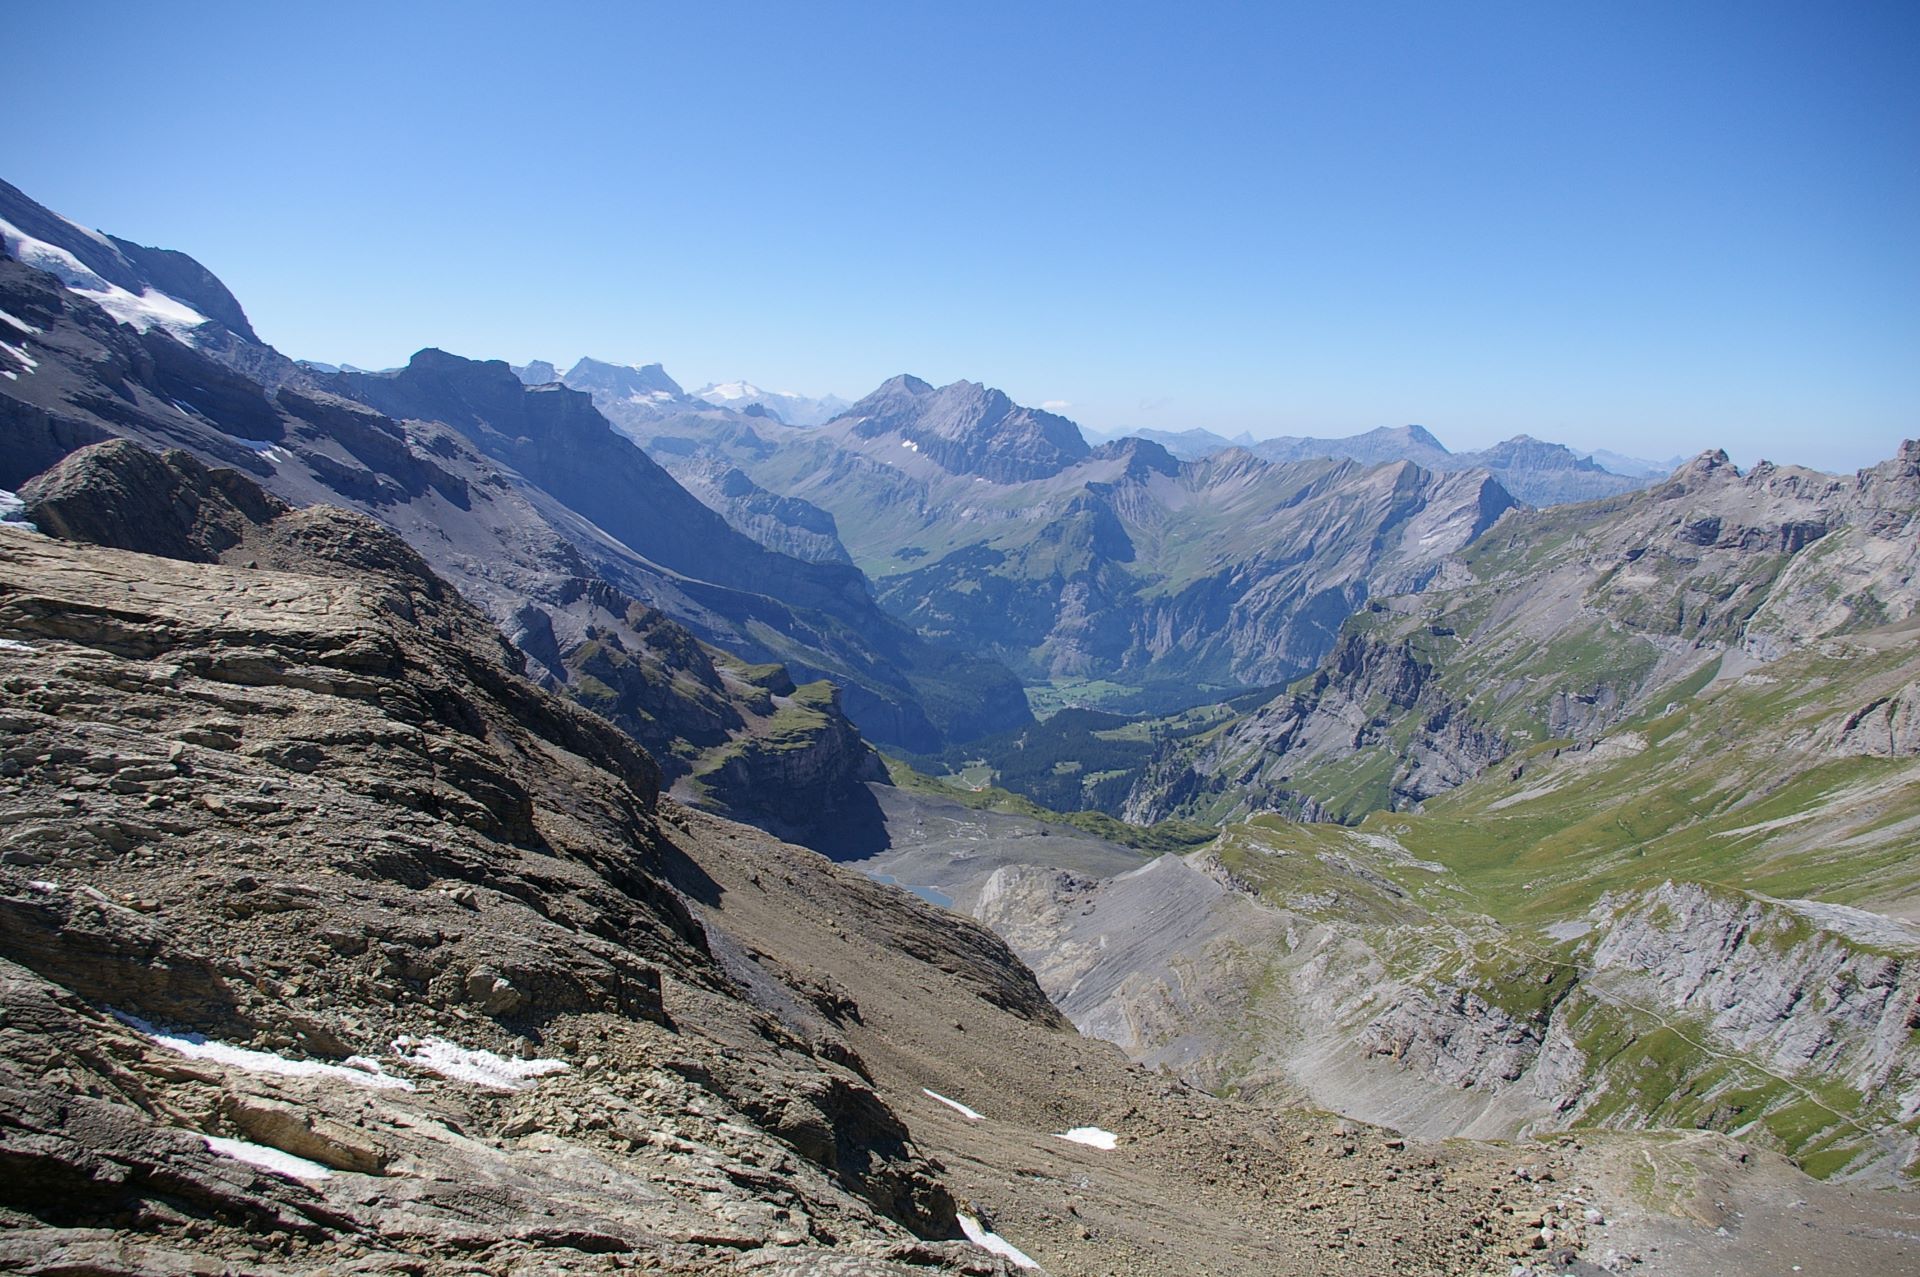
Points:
(789, 408)
(144, 287)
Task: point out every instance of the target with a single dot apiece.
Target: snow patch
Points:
(267, 1159)
(19, 323)
(15, 645)
(994, 1243)
(147, 310)
(481, 1068)
(13, 512)
(1091, 1136)
(196, 1046)
(19, 353)
(910, 445)
(263, 447)
(955, 1105)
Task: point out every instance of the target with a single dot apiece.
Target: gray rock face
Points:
(1111, 586)
(1887, 727)
(323, 815)
(786, 524)
(1657, 1003)
(1770, 979)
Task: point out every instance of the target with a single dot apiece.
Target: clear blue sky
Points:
(1654, 227)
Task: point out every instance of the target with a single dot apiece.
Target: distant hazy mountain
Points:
(536, 372)
(1537, 472)
(1385, 443)
(995, 527)
(644, 386)
(789, 408)
(1637, 467)
(1192, 445)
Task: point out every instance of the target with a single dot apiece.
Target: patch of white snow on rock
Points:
(955, 1105)
(1091, 1136)
(13, 512)
(481, 1068)
(358, 1070)
(267, 1159)
(994, 1243)
(144, 311)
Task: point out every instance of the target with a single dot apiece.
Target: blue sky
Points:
(1654, 227)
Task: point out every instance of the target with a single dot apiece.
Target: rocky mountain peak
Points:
(536, 372)
(1524, 451)
(639, 383)
(1142, 457)
(1709, 467)
(1422, 437)
(971, 429)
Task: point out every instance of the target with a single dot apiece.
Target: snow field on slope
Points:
(145, 311)
(994, 1243)
(267, 1159)
(358, 1069)
(481, 1068)
(955, 1105)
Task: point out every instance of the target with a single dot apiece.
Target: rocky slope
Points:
(1557, 625)
(692, 706)
(786, 524)
(332, 942)
(1703, 918)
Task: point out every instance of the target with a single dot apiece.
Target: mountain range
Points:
(567, 534)
(393, 725)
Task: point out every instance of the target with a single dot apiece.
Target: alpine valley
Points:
(487, 817)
